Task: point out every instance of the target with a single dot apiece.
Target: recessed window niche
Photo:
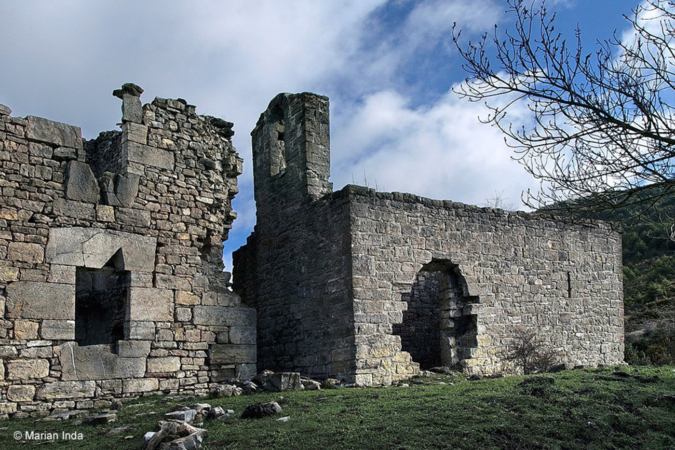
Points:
(101, 301)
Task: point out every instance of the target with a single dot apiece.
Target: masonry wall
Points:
(295, 267)
(518, 271)
(150, 204)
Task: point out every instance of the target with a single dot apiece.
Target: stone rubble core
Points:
(367, 286)
(111, 274)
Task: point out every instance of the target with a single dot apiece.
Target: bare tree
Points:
(529, 354)
(602, 131)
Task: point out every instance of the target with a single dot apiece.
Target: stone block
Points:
(149, 304)
(4, 110)
(65, 154)
(21, 393)
(56, 133)
(242, 335)
(77, 210)
(134, 349)
(68, 390)
(62, 274)
(26, 369)
(133, 217)
(126, 189)
(93, 248)
(8, 274)
(232, 354)
(140, 330)
(25, 252)
(132, 110)
(141, 385)
(25, 330)
(148, 156)
(96, 362)
(8, 351)
(105, 213)
(163, 365)
(183, 314)
(172, 282)
(224, 316)
(187, 298)
(38, 300)
(135, 132)
(284, 381)
(7, 408)
(58, 330)
(81, 184)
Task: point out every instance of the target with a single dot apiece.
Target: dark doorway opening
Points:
(101, 301)
(438, 328)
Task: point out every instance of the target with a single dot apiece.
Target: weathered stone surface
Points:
(21, 393)
(21, 251)
(66, 390)
(232, 354)
(77, 210)
(283, 381)
(242, 335)
(25, 369)
(81, 185)
(149, 304)
(96, 362)
(58, 329)
(105, 213)
(163, 365)
(8, 351)
(141, 330)
(87, 247)
(8, 274)
(7, 408)
(126, 190)
(25, 330)
(56, 133)
(149, 156)
(37, 300)
(132, 111)
(141, 385)
(65, 154)
(224, 316)
(4, 110)
(135, 217)
(61, 274)
(133, 349)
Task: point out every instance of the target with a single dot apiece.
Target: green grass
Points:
(592, 408)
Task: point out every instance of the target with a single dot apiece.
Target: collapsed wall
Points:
(111, 275)
(368, 286)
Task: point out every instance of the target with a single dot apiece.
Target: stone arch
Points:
(439, 327)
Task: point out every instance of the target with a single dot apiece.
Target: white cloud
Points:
(438, 151)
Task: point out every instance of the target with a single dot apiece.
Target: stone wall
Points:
(138, 217)
(344, 283)
(295, 267)
(518, 271)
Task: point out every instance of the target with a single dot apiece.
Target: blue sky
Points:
(387, 66)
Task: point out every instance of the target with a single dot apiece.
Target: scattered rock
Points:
(310, 385)
(116, 405)
(119, 430)
(175, 435)
(187, 415)
(261, 410)
(100, 419)
(284, 419)
(331, 383)
(225, 390)
(475, 377)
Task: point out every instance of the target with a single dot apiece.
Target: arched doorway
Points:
(438, 329)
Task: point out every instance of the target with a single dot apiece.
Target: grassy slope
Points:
(592, 408)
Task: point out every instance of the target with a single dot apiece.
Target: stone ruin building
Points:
(112, 282)
(372, 285)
